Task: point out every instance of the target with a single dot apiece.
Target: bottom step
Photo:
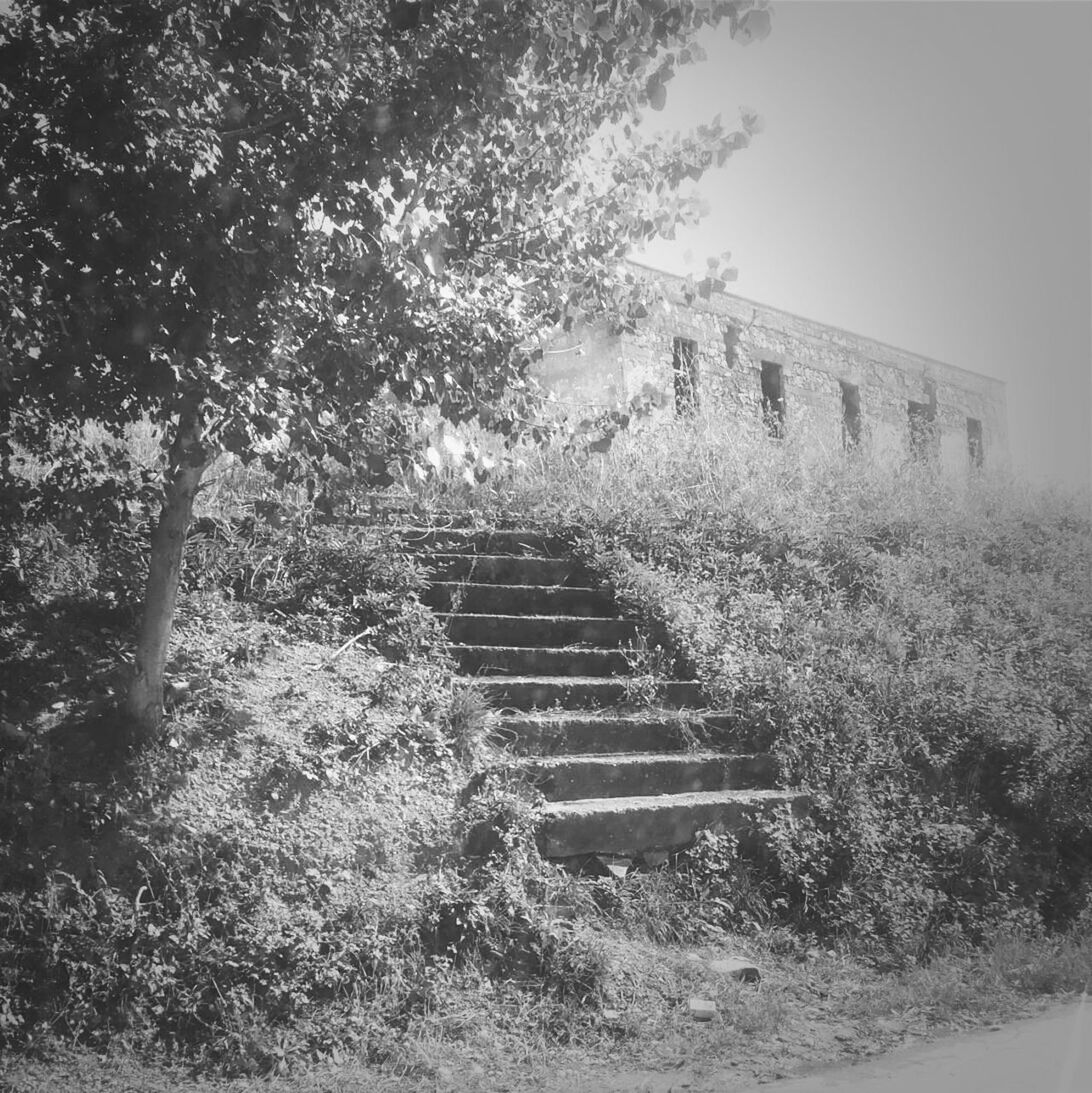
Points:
(633, 825)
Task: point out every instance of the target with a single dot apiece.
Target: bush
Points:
(247, 894)
(329, 583)
(916, 651)
(200, 957)
(493, 914)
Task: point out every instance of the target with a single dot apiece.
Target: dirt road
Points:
(1047, 1054)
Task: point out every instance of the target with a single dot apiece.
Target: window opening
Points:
(684, 354)
(922, 417)
(974, 442)
(731, 345)
(851, 415)
(773, 398)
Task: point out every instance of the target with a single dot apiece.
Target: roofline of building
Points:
(837, 329)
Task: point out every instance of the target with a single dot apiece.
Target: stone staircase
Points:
(546, 644)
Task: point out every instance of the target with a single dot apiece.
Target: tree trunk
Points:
(189, 459)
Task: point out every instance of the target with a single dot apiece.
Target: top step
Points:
(497, 541)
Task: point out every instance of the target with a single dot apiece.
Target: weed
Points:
(284, 880)
(914, 650)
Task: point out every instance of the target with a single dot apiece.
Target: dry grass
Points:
(487, 1037)
(261, 772)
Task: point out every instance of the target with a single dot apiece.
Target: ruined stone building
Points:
(748, 361)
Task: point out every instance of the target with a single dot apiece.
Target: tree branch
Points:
(261, 127)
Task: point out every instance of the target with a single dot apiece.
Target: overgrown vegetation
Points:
(283, 879)
(916, 651)
(339, 221)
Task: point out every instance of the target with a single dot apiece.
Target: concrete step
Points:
(508, 569)
(519, 599)
(634, 825)
(500, 541)
(592, 733)
(570, 778)
(520, 661)
(581, 692)
(539, 631)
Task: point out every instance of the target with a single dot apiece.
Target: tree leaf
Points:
(657, 93)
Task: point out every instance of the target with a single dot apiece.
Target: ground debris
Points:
(736, 968)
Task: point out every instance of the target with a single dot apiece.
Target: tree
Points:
(250, 219)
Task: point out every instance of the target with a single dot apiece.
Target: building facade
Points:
(750, 362)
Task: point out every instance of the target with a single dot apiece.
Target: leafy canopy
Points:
(281, 215)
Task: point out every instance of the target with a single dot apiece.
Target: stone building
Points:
(748, 361)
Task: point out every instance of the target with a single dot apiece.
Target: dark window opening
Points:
(974, 442)
(773, 398)
(409, 14)
(684, 355)
(851, 415)
(731, 345)
(923, 435)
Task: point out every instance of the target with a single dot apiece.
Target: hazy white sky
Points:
(924, 178)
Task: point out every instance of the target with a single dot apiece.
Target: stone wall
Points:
(824, 373)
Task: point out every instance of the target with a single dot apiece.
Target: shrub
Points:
(915, 650)
(329, 583)
(204, 957)
(200, 897)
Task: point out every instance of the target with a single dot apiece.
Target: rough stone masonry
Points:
(750, 362)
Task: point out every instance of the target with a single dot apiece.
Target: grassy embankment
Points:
(280, 882)
(916, 651)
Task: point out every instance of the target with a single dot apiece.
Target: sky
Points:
(924, 178)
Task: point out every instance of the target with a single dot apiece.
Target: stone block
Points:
(734, 967)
